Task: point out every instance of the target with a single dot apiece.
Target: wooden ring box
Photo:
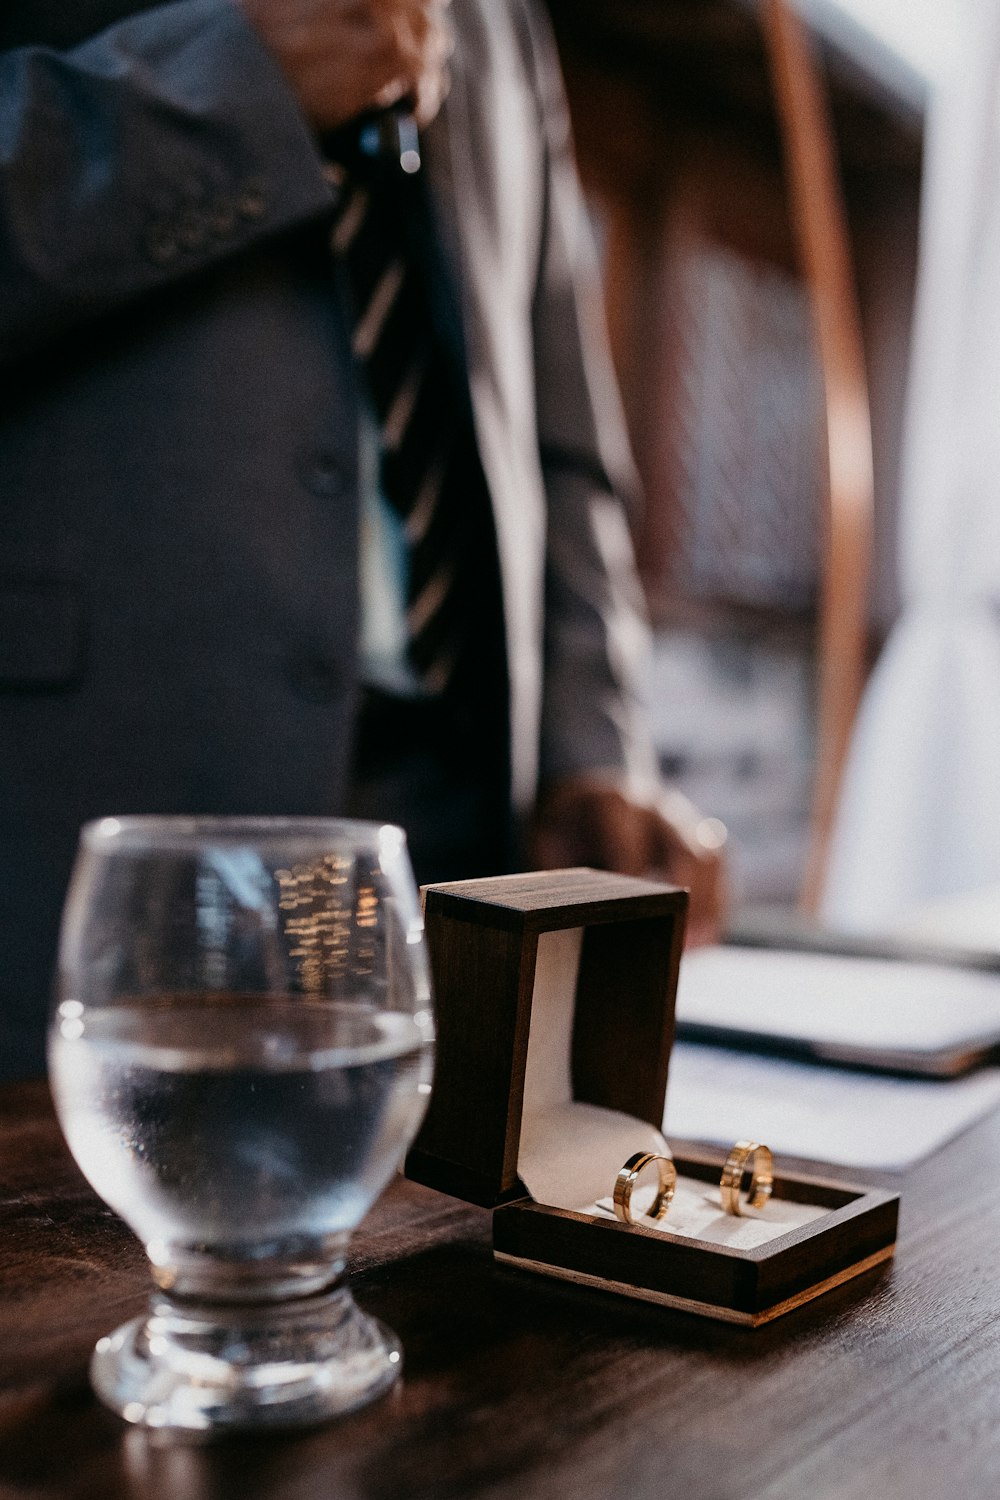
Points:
(554, 995)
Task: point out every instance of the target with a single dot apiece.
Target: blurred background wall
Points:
(684, 156)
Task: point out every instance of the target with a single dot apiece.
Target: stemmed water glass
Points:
(240, 1054)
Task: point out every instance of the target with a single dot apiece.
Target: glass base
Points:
(204, 1369)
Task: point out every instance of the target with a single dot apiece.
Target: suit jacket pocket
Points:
(41, 634)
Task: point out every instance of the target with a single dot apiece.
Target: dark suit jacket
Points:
(178, 439)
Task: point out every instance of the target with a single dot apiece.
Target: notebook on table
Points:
(893, 1015)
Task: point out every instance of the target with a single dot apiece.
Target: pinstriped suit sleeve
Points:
(160, 146)
(596, 636)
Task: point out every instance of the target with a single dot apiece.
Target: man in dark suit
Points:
(190, 455)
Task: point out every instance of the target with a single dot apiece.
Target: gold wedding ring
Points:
(744, 1156)
(626, 1180)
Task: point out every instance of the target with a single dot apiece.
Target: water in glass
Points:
(239, 1077)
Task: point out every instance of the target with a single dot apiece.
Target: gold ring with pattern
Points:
(752, 1156)
(627, 1178)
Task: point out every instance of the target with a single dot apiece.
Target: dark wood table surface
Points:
(522, 1388)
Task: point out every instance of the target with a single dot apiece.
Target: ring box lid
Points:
(583, 952)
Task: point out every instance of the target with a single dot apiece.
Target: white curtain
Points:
(920, 810)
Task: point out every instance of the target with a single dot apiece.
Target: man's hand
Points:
(343, 57)
(586, 821)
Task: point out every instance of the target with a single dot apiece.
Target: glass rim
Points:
(139, 831)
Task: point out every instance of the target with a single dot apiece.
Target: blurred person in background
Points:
(311, 463)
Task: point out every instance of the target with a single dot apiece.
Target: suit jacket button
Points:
(160, 246)
(192, 230)
(323, 474)
(316, 678)
(221, 218)
(251, 202)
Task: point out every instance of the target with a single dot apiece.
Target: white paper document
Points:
(831, 1115)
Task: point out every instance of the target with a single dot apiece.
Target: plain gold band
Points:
(761, 1180)
(626, 1180)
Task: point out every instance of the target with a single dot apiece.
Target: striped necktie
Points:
(424, 431)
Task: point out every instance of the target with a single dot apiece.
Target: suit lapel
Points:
(464, 161)
(446, 164)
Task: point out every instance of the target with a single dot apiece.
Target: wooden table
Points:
(517, 1387)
